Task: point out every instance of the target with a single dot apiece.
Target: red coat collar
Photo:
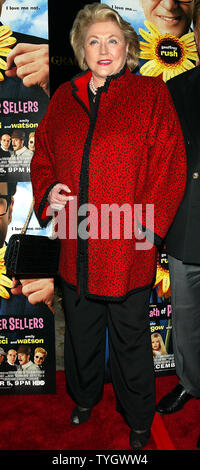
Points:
(80, 83)
(79, 88)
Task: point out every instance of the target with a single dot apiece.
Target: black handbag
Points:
(32, 256)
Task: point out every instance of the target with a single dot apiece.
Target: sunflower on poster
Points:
(4, 280)
(166, 54)
(162, 280)
(5, 41)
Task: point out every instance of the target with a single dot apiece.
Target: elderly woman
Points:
(112, 141)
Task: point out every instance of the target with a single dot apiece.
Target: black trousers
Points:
(130, 353)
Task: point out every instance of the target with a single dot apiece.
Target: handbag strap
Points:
(28, 218)
(30, 212)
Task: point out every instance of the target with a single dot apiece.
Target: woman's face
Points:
(169, 16)
(105, 50)
(155, 344)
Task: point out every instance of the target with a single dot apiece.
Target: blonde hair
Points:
(32, 134)
(162, 348)
(41, 350)
(94, 13)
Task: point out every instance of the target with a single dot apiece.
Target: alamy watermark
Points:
(110, 222)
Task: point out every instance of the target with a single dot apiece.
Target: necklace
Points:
(92, 87)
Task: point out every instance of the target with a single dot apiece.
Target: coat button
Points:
(195, 175)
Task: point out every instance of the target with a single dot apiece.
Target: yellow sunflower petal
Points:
(5, 36)
(145, 35)
(4, 51)
(175, 72)
(159, 276)
(166, 283)
(191, 49)
(146, 55)
(1, 77)
(152, 28)
(167, 74)
(156, 71)
(5, 281)
(4, 30)
(4, 293)
(179, 70)
(8, 42)
(149, 67)
(190, 45)
(192, 56)
(3, 270)
(3, 64)
(145, 46)
(187, 37)
(187, 64)
(2, 252)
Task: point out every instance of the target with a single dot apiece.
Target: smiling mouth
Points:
(170, 19)
(104, 62)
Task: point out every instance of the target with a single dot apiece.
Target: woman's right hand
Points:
(56, 200)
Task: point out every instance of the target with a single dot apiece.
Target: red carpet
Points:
(41, 422)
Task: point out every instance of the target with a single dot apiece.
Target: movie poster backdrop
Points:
(27, 333)
(165, 51)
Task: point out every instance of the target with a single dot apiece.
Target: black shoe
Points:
(198, 443)
(173, 401)
(139, 439)
(80, 416)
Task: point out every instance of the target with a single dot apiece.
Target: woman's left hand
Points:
(56, 199)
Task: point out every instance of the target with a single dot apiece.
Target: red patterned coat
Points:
(129, 150)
